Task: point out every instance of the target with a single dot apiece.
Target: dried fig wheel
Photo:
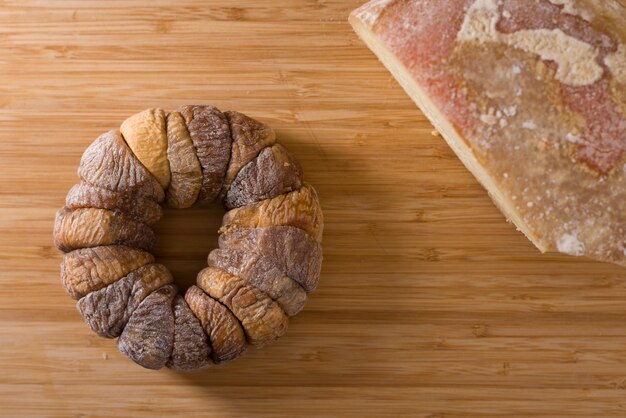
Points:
(269, 257)
(273, 172)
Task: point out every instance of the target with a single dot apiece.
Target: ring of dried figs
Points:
(269, 256)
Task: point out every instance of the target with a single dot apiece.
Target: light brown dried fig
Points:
(107, 310)
(141, 208)
(90, 269)
(261, 272)
(191, 348)
(92, 227)
(186, 180)
(249, 138)
(146, 136)
(262, 319)
(224, 331)
(273, 172)
(148, 338)
(210, 134)
(289, 249)
(300, 208)
(110, 164)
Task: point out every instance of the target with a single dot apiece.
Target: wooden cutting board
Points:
(430, 304)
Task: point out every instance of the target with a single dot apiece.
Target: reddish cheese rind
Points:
(531, 95)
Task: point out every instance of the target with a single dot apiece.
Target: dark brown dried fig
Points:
(148, 338)
(210, 134)
(249, 138)
(261, 272)
(289, 249)
(92, 227)
(226, 337)
(261, 318)
(107, 310)
(300, 208)
(110, 164)
(141, 208)
(90, 269)
(191, 348)
(186, 180)
(273, 172)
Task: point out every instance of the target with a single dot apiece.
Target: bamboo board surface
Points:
(429, 305)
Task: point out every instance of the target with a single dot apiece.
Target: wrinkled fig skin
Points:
(109, 163)
(249, 138)
(148, 338)
(262, 273)
(262, 319)
(273, 172)
(300, 208)
(191, 348)
(269, 254)
(91, 227)
(140, 208)
(289, 249)
(186, 172)
(226, 337)
(145, 135)
(90, 269)
(210, 134)
(107, 310)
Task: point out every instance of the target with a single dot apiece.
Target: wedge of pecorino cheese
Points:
(531, 95)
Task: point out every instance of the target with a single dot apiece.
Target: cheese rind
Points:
(531, 96)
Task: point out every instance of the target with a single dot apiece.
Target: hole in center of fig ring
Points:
(186, 236)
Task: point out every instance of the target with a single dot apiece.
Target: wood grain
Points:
(430, 304)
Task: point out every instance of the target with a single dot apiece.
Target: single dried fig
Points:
(107, 310)
(273, 172)
(186, 180)
(261, 318)
(90, 269)
(109, 163)
(261, 272)
(148, 338)
(210, 134)
(92, 227)
(289, 249)
(300, 208)
(146, 136)
(191, 348)
(141, 208)
(249, 138)
(224, 331)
